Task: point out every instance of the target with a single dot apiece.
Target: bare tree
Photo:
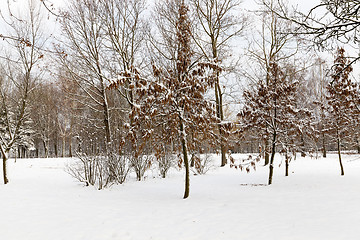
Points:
(218, 24)
(125, 30)
(85, 60)
(19, 76)
(328, 21)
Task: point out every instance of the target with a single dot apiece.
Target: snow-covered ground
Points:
(43, 202)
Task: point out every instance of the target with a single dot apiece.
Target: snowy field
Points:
(43, 202)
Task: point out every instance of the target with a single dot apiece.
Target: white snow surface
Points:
(43, 202)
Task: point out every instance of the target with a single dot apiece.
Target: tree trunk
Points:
(339, 154)
(303, 154)
(267, 156)
(323, 145)
(5, 158)
(56, 148)
(220, 116)
(63, 147)
(105, 113)
(70, 148)
(45, 149)
(286, 165)
(271, 165)
(186, 159)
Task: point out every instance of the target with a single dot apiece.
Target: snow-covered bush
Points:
(90, 170)
(118, 167)
(140, 164)
(100, 171)
(201, 163)
(165, 162)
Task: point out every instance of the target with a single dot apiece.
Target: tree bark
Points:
(303, 154)
(271, 166)
(267, 156)
(186, 159)
(323, 145)
(63, 147)
(56, 148)
(286, 165)
(5, 158)
(220, 116)
(45, 149)
(339, 154)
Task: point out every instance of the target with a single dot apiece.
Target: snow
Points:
(43, 202)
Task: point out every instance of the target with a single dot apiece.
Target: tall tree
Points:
(84, 58)
(172, 105)
(19, 76)
(270, 45)
(218, 24)
(272, 107)
(342, 100)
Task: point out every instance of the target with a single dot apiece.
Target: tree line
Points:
(124, 85)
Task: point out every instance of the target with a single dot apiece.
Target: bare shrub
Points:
(201, 163)
(100, 171)
(165, 161)
(119, 167)
(140, 164)
(91, 170)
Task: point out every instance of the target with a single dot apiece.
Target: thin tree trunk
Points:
(271, 165)
(70, 147)
(45, 149)
(303, 154)
(5, 158)
(339, 154)
(286, 165)
(323, 145)
(186, 159)
(63, 147)
(267, 156)
(56, 148)
(220, 116)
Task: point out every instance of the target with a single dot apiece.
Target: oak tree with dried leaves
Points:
(342, 101)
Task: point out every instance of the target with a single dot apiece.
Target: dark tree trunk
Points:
(339, 154)
(267, 146)
(56, 148)
(220, 115)
(303, 154)
(323, 145)
(192, 162)
(70, 148)
(271, 165)
(4, 157)
(267, 156)
(186, 160)
(45, 149)
(286, 165)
